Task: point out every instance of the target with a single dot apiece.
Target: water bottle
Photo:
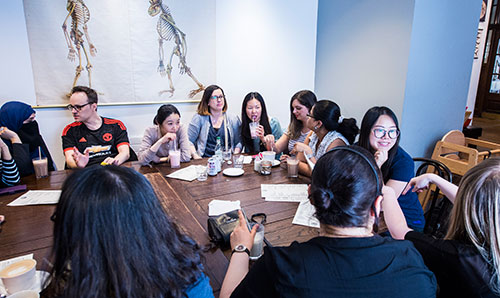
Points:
(218, 154)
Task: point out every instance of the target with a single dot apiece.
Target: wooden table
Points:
(28, 229)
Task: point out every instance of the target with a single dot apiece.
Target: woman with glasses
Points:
(113, 238)
(211, 122)
(254, 109)
(20, 131)
(380, 135)
(328, 130)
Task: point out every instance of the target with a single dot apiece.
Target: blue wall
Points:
(439, 67)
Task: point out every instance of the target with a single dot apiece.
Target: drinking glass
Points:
(226, 155)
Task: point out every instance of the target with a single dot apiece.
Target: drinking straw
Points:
(39, 152)
(225, 135)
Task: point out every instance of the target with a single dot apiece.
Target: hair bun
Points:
(324, 197)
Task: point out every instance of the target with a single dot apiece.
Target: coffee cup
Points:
(268, 155)
(19, 276)
(41, 167)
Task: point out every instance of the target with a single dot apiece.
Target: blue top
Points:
(213, 133)
(200, 289)
(199, 127)
(403, 169)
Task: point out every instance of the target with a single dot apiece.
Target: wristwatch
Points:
(240, 248)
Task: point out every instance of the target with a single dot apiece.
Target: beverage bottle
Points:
(218, 154)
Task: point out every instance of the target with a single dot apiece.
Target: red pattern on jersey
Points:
(114, 121)
(74, 124)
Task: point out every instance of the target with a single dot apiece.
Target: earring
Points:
(315, 128)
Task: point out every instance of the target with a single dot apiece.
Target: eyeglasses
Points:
(78, 108)
(310, 116)
(379, 133)
(220, 97)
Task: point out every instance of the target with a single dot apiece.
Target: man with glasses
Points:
(92, 139)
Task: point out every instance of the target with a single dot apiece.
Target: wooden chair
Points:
(460, 153)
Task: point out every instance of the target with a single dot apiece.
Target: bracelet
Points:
(309, 156)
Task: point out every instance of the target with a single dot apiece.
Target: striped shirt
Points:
(10, 174)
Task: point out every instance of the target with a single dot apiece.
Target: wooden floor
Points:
(491, 128)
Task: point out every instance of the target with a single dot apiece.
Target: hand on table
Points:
(241, 234)
(111, 161)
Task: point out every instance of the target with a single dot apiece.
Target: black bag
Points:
(221, 226)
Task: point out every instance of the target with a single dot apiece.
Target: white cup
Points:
(19, 276)
(268, 155)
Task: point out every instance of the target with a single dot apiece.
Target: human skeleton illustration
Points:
(80, 16)
(168, 30)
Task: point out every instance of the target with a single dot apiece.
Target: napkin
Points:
(218, 207)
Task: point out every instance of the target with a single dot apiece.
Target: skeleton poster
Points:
(127, 50)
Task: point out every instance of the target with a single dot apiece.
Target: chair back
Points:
(433, 215)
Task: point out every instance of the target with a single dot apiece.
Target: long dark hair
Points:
(163, 112)
(203, 108)
(344, 186)
(367, 123)
(246, 138)
(329, 113)
(112, 238)
(306, 98)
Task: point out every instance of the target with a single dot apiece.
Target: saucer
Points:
(276, 163)
(233, 172)
(40, 278)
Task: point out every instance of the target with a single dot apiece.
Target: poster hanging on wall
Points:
(129, 51)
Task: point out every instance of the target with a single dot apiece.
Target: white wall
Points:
(362, 54)
(261, 46)
(268, 47)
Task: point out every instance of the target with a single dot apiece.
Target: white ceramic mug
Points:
(19, 275)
